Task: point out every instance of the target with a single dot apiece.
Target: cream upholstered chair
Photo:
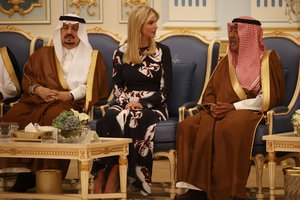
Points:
(22, 44)
(194, 57)
(278, 119)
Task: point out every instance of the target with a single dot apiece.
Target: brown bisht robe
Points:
(43, 68)
(214, 155)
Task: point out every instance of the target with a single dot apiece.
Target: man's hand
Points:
(64, 96)
(48, 95)
(133, 106)
(220, 109)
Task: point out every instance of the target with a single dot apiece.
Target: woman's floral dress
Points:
(148, 83)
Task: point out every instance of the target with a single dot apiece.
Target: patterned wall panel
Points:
(273, 13)
(127, 5)
(191, 13)
(24, 12)
(90, 10)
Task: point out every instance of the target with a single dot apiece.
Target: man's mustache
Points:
(69, 35)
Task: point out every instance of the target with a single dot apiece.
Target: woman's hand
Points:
(220, 109)
(133, 106)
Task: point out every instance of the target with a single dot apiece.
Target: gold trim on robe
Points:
(90, 80)
(61, 74)
(9, 67)
(265, 81)
(235, 83)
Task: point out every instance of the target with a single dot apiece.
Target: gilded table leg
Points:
(272, 165)
(123, 164)
(84, 178)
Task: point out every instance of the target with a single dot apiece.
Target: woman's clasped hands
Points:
(133, 106)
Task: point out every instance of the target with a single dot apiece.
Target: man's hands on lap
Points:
(64, 96)
(49, 95)
(220, 109)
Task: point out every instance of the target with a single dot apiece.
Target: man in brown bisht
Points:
(214, 147)
(67, 75)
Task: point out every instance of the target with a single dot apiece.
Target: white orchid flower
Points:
(76, 113)
(83, 117)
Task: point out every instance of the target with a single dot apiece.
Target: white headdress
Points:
(82, 58)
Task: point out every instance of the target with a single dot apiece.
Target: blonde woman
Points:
(142, 76)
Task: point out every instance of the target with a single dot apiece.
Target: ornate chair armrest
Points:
(7, 104)
(187, 109)
(278, 110)
(103, 108)
(96, 107)
(278, 119)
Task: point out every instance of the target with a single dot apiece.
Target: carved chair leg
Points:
(259, 160)
(173, 172)
(172, 157)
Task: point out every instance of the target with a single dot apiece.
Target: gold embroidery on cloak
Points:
(61, 74)
(9, 67)
(90, 80)
(254, 133)
(235, 83)
(265, 81)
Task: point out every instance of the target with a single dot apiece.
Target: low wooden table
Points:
(84, 153)
(286, 142)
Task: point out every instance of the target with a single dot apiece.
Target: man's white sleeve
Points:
(251, 104)
(7, 86)
(79, 92)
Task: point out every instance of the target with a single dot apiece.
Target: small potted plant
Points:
(296, 121)
(70, 124)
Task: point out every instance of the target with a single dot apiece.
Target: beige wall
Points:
(225, 11)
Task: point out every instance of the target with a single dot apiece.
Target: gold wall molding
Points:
(79, 4)
(18, 8)
(90, 10)
(127, 5)
(132, 3)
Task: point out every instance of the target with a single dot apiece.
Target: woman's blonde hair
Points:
(137, 18)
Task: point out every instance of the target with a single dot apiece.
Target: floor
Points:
(161, 178)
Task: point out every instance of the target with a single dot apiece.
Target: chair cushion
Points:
(165, 131)
(182, 81)
(260, 132)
